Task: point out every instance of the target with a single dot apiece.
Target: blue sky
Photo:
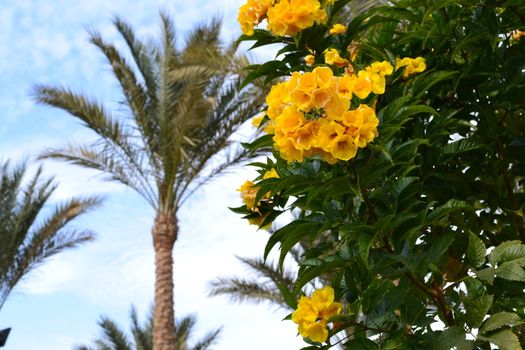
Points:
(58, 305)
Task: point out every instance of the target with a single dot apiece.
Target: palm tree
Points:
(181, 107)
(261, 286)
(27, 238)
(142, 336)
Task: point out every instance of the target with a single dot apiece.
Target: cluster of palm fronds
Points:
(27, 237)
(114, 338)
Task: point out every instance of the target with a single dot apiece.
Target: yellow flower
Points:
(337, 29)
(252, 13)
(309, 59)
(302, 99)
(329, 130)
(256, 121)
(291, 120)
(365, 125)
(362, 85)
(312, 314)
(345, 85)
(248, 193)
(288, 151)
(343, 147)
(305, 311)
(378, 83)
(307, 82)
(324, 76)
(277, 99)
(332, 57)
(323, 300)
(271, 174)
(306, 135)
(315, 331)
(381, 68)
(336, 107)
(321, 97)
(289, 17)
(412, 65)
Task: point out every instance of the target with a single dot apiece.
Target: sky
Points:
(58, 305)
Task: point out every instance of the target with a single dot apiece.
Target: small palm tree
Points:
(181, 107)
(27, 236)
(142, 336)
(261, 286)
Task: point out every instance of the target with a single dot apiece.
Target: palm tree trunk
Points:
(164, 236)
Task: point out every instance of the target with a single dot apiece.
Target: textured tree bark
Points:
(164, 236)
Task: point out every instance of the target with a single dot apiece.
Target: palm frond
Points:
(91, 113)
(24, 242)
(205, 35)
(142, 56)
(142, 336)
(242, 290)
(210, 339)
(114, 337)
(135, 93)
(113, 168)
(184, 331)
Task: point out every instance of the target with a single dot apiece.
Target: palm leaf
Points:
(26, 238)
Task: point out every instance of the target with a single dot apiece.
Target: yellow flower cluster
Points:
(310, 113)
(412, 65)
(337, 29)
(312, 314)
(285, 17)
(252, 13)
(249, 191)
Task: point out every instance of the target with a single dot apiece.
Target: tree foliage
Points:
(425, 225)
(114, 338)
(30, 230)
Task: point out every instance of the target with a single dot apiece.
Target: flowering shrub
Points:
(398, 137)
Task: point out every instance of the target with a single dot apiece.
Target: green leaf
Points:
(499, 320)
(476, 251)
(401, 184)
(360, 344)
(461, 146)
(511, 271)
(424, 82)
(409, 111)
(294, 227)
(477, 309)
(288, 297)
(261, 142)
(507, 251)
(505, 340)
(453, 337)
(447, 208)
(240, 210)
(487, 275)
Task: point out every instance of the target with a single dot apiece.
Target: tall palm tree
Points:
(142, 336)
(181, 107)
(27, 236)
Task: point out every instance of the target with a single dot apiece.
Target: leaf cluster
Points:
(403, 231)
